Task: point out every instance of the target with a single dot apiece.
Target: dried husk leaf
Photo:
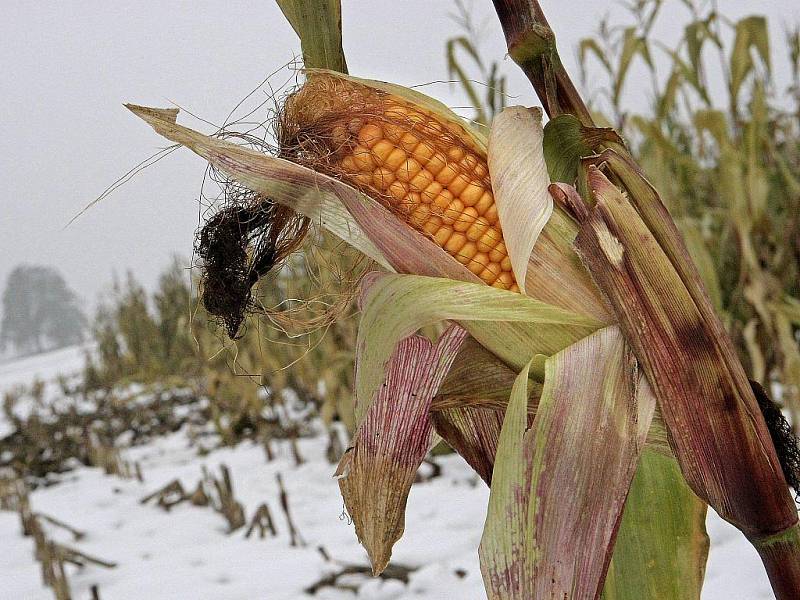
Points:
(473, 433)
(480, 380)
(716, 429)
(394, 436)
(519, 182)
(508, 324)
(559, 488)
(312, 194)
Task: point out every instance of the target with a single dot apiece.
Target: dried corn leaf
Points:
(519, 182)
(480, 380)
(395, 435)
(319, 27)
(558, 489)
(473, 433)
(510, 325)
(716, 429)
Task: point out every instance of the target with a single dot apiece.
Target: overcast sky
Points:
(67, 67)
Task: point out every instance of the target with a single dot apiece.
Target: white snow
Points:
(187, 554)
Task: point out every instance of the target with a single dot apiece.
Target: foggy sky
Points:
(67, 67)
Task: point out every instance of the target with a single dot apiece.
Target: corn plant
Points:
(580, 367)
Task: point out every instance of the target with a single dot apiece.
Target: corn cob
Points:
(423, 167)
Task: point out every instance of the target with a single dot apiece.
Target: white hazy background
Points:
(66, 68)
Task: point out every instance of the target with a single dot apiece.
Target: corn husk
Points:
(558, 488)
(717, 431)
(395, 434)
(519, 182)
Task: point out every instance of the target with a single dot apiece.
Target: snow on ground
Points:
(187, 554)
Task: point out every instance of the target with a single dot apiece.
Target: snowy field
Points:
(186, 553)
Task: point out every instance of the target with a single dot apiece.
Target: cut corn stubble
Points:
(424, 168)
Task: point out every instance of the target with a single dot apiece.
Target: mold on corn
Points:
(426, 169)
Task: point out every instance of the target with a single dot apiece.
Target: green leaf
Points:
(566, 141)
(632, 45)
(751, 33)
(454, 68)
(590, 46)
(318, 24)
(662, 545)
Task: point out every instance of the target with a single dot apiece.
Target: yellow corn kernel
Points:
(467, 252)
(430, 193)
(436, 163)
(395, 158)
(432, 225)
(421, 181)
(459, 184)
(408, 170)
(490, 273)
(455, 243)
(421, 215)
(455, 153)
(453, 212)
(408, 142)
(478, 262)
(369, 135)
(479, 227)
(441, 202)
(398, 190)
(349, 164)
(363, 179)
(443, 234)
(382, 178)
(472, 193)
(423, 152)
(490, 238)
(381, 150)
(364, 159)
(466, 219)
(506, 279)
(498, 253)
(492, 216)
(485, 203)
(447, 174)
